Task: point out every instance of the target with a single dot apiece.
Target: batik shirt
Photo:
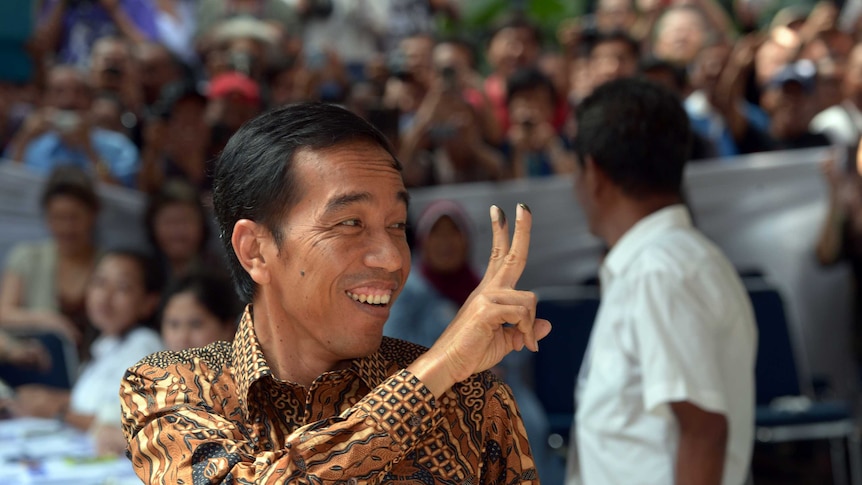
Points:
(218, 414)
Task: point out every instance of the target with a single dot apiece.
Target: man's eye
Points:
(351, 222)
(401, 226)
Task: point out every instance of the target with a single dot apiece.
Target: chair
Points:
(778, 374)
(572, 311)
(64, 362)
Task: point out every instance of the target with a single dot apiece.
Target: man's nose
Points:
(384, 252)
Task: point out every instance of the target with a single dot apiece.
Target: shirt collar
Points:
(250, 363)
(641, 235)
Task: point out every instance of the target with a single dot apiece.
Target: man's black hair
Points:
(175, 191)
(638, 134)
(211, 290)
(615, 36)
(516, 19)
(70, 181)
(652, 64)
(254, 176)
(152, 274)
(528, 79)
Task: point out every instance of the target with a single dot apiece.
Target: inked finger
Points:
(499, 242)
(516, 257)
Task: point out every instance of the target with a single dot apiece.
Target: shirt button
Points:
(352, 481)
(415, 421)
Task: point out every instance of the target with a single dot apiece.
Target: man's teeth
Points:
(371, 299)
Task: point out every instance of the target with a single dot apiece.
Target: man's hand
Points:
(495, 320)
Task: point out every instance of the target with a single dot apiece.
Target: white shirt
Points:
(98, 387)
(675, 324)
(841, 123)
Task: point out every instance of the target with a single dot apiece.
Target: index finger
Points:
(516, 259)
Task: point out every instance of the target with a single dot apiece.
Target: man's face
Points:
(615, 15)
(681, 36)
(789, 109)
(612, 60)
(66, 90)
(344, 244)
(512, 48)
(708, 67)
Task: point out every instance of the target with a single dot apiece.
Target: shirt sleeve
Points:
(175, 436)
(678, 338)
(507, 458)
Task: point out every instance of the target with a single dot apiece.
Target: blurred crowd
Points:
(139, 91)
(145, 94)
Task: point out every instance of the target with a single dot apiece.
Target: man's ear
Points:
(251, 243)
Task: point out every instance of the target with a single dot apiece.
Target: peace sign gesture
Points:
(495, 320)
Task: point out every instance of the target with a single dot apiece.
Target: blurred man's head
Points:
(680, 34)
(514, 45)
(531, 97)
(613, 55)
(67, 89)
(110, 63)
(615, 15)
(158, 68)
(707, 67)
(788, 99)
(633, 141)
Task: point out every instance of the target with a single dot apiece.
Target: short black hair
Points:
(152, 274)
(70, 181)
(516, 19)
(638, 134)
(175, 191)
(606, 37)
(652, 64)
(528, 79)
(212, 290)
(254, 175)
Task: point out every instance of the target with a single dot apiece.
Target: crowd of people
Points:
(145, 94)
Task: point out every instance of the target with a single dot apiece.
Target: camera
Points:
(449, 76)
(65, 121)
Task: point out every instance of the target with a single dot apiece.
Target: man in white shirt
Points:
(666, 391)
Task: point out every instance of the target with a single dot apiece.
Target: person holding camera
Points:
(61, 133)
(70, 28)
(533, 146)
(445, 142)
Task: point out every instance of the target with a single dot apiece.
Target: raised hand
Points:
(495, 320)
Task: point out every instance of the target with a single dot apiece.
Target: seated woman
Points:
(197, 310)
(44, 282)
(439, 284)
(177, 228)
(121, 297)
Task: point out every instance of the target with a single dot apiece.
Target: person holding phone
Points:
(62, 134)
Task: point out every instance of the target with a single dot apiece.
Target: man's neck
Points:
(287, 355)
(626, 212)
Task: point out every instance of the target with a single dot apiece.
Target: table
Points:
(46, 452)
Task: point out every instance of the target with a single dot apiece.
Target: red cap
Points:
(234, 83)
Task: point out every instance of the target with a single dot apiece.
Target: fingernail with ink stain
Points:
(502, 219)
(495, 213)
(525, 207)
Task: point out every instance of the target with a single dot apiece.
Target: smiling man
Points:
(312, 210)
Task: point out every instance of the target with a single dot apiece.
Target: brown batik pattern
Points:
(219, 415)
